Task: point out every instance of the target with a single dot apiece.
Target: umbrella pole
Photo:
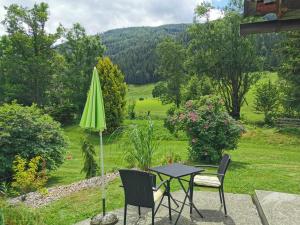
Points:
(102, 173)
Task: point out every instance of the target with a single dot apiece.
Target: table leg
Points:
(179, 214)
(187, 194)
(168, 191)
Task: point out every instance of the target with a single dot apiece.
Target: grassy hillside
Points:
(158, 110)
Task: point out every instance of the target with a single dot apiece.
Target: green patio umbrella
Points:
(93, 117)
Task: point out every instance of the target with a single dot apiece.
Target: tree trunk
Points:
(236, 107)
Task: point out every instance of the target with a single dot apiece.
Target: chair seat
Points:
(157, 195)
(208, 181)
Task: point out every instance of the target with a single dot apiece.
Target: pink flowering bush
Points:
(210, 129)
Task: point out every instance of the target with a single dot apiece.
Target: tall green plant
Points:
(267, 98)
(90, 166)
(131, 110)
(114, 92)
(143, 146)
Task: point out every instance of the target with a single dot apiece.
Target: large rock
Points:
(109, 219)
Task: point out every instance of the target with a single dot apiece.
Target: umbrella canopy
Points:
(93, 116)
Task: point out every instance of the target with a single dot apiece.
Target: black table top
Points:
(176, 170)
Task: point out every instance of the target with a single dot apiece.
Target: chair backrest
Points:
(223, 166)
(138, 187)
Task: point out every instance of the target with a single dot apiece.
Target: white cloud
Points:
(101, 15)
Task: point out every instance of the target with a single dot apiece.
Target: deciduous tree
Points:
(81, 52)
(28, 55)
(171, 70)
(290, 71)
(216, 49)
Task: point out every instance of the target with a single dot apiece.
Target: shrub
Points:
(27, 132)
(267, 98)
(141, 99)
(209, 127)
(90, 165)
(27, 176)
(131, 110)
(143, 146)
(65, 114)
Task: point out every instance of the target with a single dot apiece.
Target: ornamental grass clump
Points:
(142, 144)
(210, 129)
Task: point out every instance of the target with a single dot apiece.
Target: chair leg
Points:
(220, 195)
(139, 211)
(169, 201)
(191, 197)
(225, 210)
(125, 213)
(152, 215)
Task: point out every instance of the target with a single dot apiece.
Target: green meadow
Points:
(266, 158)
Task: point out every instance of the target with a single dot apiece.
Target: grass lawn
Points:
(266, 159)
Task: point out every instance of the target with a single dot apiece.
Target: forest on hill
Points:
(133, 49)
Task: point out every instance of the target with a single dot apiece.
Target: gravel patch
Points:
(36, 200)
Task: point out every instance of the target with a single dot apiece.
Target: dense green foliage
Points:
(217, 50)
(90, 166)
(171, 56)
(197, 87)
(27, 132)
(65, 114)
(35, 69)
(28, 58)
(290, 71)
(267, 99)
(81, 53)
(114, 92)
(133, 49)
(209, 127)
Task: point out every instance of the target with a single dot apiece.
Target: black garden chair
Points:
(214, 180)
(141, 191)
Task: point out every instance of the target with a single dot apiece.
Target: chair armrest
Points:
(162, 183)
(211, 166)
(216, 174)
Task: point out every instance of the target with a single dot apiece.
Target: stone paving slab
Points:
(278, 208)
(240, 208)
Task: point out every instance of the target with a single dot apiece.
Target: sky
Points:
(101, 15)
